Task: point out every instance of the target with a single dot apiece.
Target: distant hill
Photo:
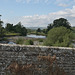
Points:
(34, 28)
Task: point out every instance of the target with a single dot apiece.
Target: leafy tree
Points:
(44, 31)
(2, 31)
(59, 22)
(50, 26)
(23, 31)
(38, 30)
(20, 29)
(9, 27)
(73, 29)
(59, 36)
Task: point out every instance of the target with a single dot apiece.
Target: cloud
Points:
(44, 20)
(34, 1)
(63, 5)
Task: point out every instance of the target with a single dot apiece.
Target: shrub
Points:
(29, 42)
(59, 36)
(40, 40)
(19, 41)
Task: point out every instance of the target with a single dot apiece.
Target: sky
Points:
(36, 13)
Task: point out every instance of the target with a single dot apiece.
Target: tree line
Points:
(18, 28)
(59, 33)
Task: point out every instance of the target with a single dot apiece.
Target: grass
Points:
(29, 42)
(11, 33)
(37, 33)
(20, 41)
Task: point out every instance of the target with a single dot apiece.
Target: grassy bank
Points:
(12, 34)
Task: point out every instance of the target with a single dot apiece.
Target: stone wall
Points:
(28, 54)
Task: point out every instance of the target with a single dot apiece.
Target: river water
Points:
(35, 36)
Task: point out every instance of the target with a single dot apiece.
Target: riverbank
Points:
(36, 39)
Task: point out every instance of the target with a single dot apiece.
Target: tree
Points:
(44, 31)
(59, 22)
(50, 26)
(23, 31)
(9, 27)
(38, 30)
(18, 28)
(59, 36)
(1, 29)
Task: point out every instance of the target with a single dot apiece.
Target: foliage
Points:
(31, 31)
(38, 30)
(59, 36)
(44, 31)
(40, 40)
(19, 41)
(23, 31)
(5, 39)
(29, 42)
(73, 29)
(59, 22)
(50, 26)
(34, 31)
(11, 33)
(18, 28)
(2, 31)
(9, 27)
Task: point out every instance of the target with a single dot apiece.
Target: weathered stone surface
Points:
(28, 54)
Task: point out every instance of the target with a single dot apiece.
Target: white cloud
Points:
(44, 20)
(34, 1)
(63, 5)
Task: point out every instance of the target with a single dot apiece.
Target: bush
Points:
(59, 36)
(19, 41)
(29, 42)
(40, 40)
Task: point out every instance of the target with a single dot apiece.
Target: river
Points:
(35, 36)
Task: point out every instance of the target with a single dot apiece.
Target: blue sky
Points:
(37, 13)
